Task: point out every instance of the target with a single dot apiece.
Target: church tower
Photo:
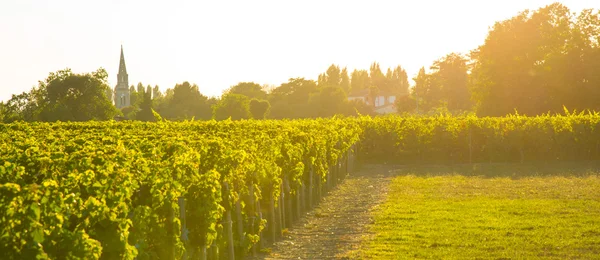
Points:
(122, 89)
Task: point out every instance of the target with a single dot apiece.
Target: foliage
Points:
(259, 108)
(63, 96)
(234, 106)
(248, 89)
(444, 138)
(538, 61)
(110, 190)
(328, 102)
(184, 102)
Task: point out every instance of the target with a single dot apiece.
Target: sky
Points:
(217, 44)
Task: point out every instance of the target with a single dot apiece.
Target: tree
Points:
(426, 92)
(536, 62)
(359, 80)
(450, 73)
(134, 97)
(76, 97)
(373, 94)
(398, 81)
(156, 92)
(21, 107)
(345, 80)
(145, 108)
(259, 108)
(377, 78)
(234, 106)
(405, 104)
(290, 99)
(295, 91)
(149, 91)
(328, 102)
(184, 102)
(248, 89)
(358, 107)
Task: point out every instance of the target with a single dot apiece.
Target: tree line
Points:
(535, 62)
(66, 96)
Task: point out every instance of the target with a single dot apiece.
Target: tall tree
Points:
(398, 81)
(451, 74)
(536, 62)
(328, 102)
(426, 91)
(332, 77)
(156, 92)
(359, 80)
(185, 102)
(290, 99)
(145, 107)
(76, 97)
(248, 89)
(133, 95)
(259, 108)
(234, 106)
(345, 80)
(377, 78)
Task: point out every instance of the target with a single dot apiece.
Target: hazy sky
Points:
(217, 44)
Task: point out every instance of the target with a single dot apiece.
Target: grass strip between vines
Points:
(457, 216)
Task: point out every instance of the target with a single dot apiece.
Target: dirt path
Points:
(335, 229)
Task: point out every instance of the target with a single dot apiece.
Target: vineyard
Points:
(207, 190)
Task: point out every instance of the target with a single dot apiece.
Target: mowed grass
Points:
(469, 217)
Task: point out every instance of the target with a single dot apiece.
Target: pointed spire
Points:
(122, 68)
(122, 77)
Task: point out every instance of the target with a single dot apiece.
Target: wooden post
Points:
(228, 226)
(319, 188)
(203, 253)
(333, 176)
(281, 210)
(171, 229)
(260, 218)
(328, 180)
(184, 231)
(272, 225)
(347, 159)
(310, 188)
(240, 223)
(252, 215)
(288, 203)
(299, 193)
(470, 147)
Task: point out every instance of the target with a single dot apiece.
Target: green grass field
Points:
(455, 216)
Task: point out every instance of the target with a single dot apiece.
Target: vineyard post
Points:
(288, 203)
(252, 214)
(240, 222)
(272, 216)
(171, 219)
(260, 218)
(328, 180)
(310, 188)
(470, 146)
(336, 173)
(228, 224)
(203, 253)
(319, 188)
(350, 158)
(281, 210)
(299, 201)
(346, 159)
(184, 230)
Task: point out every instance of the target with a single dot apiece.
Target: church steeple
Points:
(122, 88)
(122, 76)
